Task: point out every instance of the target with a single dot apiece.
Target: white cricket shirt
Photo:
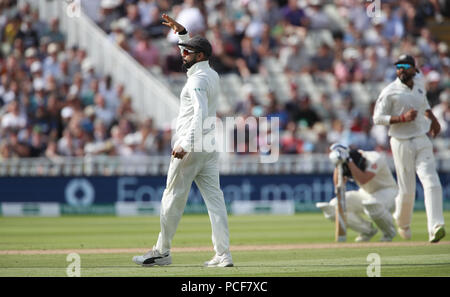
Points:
(397, 98)
(198, 104)
(383, 178)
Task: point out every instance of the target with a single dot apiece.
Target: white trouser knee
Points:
(354, 220)
(381, 217)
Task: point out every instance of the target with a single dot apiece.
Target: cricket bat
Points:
(341, 228)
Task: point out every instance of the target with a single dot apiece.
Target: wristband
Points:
(402, 118)
(183, 32)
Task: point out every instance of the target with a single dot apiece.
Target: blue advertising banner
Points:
(93, 192)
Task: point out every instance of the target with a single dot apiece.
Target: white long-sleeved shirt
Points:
(198, 102)
(377, 164)
(397, 98)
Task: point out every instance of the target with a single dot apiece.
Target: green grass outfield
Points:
(262, 246)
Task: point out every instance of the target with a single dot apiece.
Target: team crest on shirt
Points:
(420, 91)
(374, 166)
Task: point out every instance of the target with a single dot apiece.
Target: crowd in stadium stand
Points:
(53, 103)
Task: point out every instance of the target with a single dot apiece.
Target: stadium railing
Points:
(230, 164)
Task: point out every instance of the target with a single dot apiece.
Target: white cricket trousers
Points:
(202, 168)
(413, 156)
(378, 206)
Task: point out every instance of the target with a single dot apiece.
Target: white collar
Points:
(197, 66)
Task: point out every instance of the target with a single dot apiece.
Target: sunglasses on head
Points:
(404, 66)
(187, 51)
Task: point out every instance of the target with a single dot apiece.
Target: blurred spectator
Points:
(294, 14)
(88, 94)
(275, 110)
(318, 19)
(117, 140)
(290, 141)
(51, 63)
(374, 35)
(101, 111)
(38, 142)
(146, 53)
(146, 8)
(249, 104)
(226, 47)
(100, 143)
(133, 16)
(442, 113)
(434, 87)
(271, 15)
(293, 57)
(191, 17)
(337, 131)
(109, 12)
(67, 145)
(14, 119)
(27, 34)
(321, 144)
(18, 148)
(325, 108)
(155, 29)
(266, 44)
(305, 115)
(323, 60)
(393, 26)
(54, 34)
(144, 141)
(249, 61)
(125, 109)
(51, 152)
(164, 141)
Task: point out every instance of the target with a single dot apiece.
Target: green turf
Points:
(194, 230)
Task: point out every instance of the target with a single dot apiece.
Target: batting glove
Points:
(342, 150)
(335, 157)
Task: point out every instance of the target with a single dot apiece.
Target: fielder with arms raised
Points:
(375, 196)
(191, 162)
(403, 106)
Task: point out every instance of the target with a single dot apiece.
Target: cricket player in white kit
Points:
(190, 163)
(403, 106)
(375, 196)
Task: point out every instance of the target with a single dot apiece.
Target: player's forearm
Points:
(384, 120)
(387, 120)
(429, 114)
(397, 119)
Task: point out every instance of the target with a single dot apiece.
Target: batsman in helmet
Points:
(375, 197)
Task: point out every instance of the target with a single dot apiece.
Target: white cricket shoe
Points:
(438, 234)
(404, 233)
(364, 237)
(220, 261)
(152, 258)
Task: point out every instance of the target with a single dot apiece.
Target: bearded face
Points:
(190, 57)
(406, 75)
